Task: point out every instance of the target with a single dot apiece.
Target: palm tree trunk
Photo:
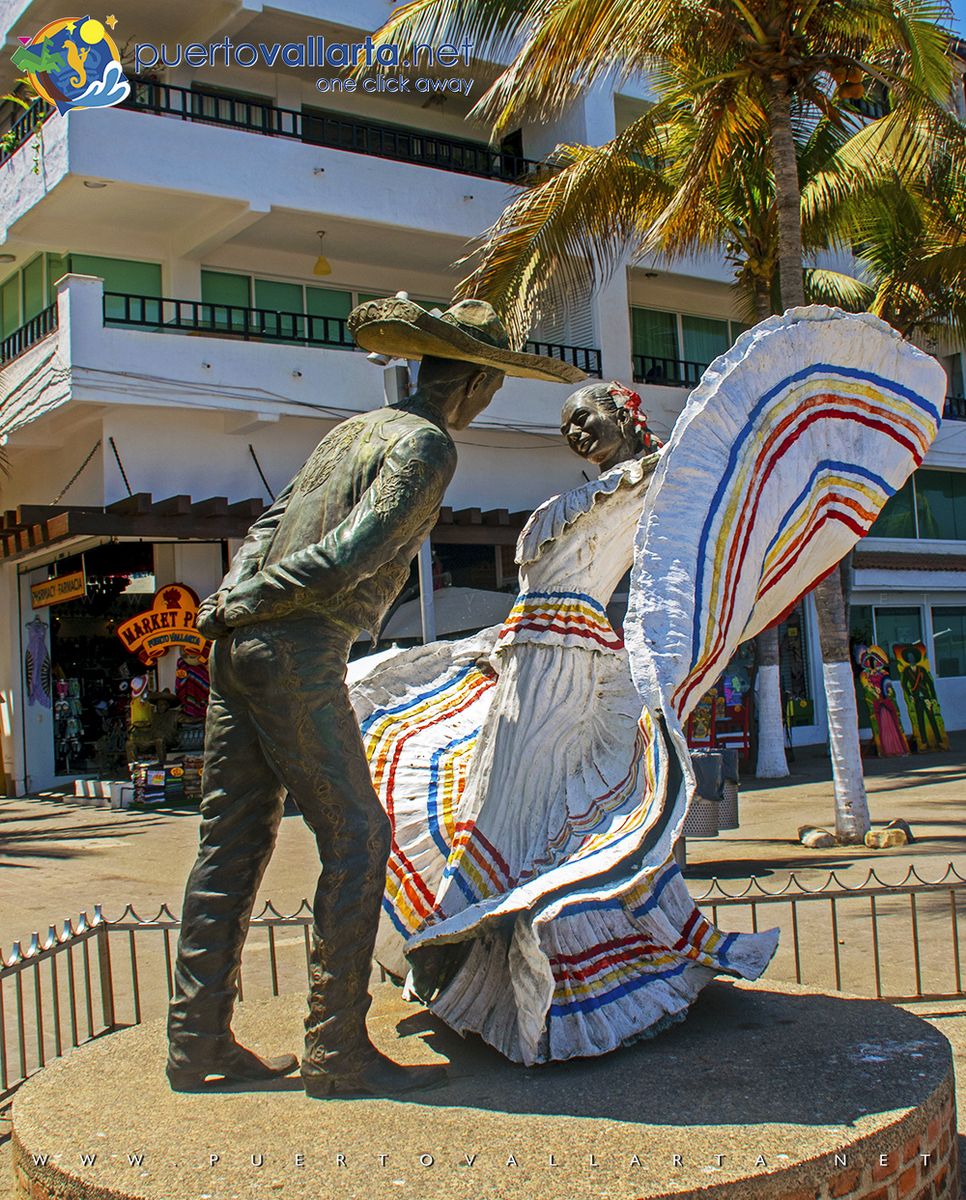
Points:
(771, 763)
(851, 805)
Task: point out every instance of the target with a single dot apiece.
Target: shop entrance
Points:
(90, 670)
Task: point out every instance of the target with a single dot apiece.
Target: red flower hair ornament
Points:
(631, 403)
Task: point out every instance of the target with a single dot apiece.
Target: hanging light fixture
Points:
(322, 264)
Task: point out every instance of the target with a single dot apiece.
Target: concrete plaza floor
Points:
(58, 858)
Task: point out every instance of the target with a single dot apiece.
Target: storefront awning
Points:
(37, 527)
(898, 560)
(32, 528)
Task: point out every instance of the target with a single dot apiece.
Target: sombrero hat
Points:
(469, 331)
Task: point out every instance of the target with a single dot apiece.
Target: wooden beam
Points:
(474, 535)
(172, 506)
(250, 508)
(468, 516)
(496, 516)
(214, 506)
(140, 502)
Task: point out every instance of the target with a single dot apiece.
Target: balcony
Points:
(21, 129)
(335, 131)
(197, 317)
(667, 372)
(117, 350)
(31, 332)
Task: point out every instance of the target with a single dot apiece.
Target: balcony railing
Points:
(667, 372)
(225, 320)
(23, 127)
(584, 357)
(336, 131)
(28, 334)
(162, 315)
(955, 409)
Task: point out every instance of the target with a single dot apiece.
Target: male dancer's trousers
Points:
(279, 720)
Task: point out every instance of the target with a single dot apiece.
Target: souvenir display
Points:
(922, 703)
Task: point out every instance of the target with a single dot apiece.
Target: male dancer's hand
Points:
(211, 617)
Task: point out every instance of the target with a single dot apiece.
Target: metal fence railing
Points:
(28, 334)
(667, 372)
(894, 941)
(899, 942)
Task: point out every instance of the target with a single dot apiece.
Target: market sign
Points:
(169, 624)
(58, 590)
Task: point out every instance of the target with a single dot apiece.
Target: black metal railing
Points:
(585, 357)
(955, 409)
(28, 334)
(667, 372)
(164, 315)
(21, 129)
(87, 978)
(333, 130)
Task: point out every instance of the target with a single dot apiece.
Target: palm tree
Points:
(740, 71)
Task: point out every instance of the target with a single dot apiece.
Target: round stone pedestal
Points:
(763, 1092)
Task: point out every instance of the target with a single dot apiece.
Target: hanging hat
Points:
(469, 331)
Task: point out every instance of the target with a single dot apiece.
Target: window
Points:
(949, 640)
(897, 519)
(34, 288)
(10, 306)
(704, 339)
(930, 505)
(120, 275)
(897, 626)
(219, 288)
(940, 501)
(226, 106)
(58, 265)
(278, 302)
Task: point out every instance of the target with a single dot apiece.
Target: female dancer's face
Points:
(591, 433)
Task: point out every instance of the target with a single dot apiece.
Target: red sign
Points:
(169, 624)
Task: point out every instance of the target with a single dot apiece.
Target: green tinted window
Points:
(654, 333)
(327, 302)
(10, 306)
(940, 500)
(34, 288)
(897, 520)
(897, 626)
(949, 640)
(861, 633)
(220, 288)
(281, 297)
(125, 276)
(280, 306)
(704, 339)
(58, 265)
(120, 274)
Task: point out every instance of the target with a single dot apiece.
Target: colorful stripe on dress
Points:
(568, 618)
(387, 732)
(837, 492)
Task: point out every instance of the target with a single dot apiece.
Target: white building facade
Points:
(168, 355)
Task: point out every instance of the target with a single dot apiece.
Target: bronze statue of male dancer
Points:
(324, 563)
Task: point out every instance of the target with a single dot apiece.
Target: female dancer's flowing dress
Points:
(534, 787)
